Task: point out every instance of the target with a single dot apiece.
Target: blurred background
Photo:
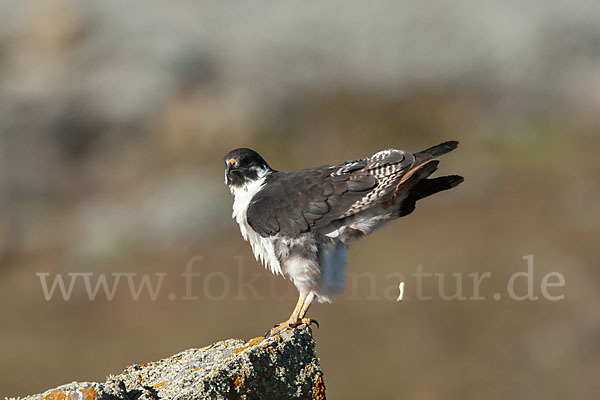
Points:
(114, 119)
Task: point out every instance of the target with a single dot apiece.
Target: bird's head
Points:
(244, 166)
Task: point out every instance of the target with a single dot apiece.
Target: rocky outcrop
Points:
(281, 367)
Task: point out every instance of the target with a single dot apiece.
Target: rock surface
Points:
(282, 367)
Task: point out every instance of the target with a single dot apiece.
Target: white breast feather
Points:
(261, 247)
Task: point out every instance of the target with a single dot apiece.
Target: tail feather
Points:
(440, 149)
(425, 188)
(428, 187)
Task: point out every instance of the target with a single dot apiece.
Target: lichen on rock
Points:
(281, 367)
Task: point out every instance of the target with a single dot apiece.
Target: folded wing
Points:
(297, 202)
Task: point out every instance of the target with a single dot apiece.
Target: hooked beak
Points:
(231, 166)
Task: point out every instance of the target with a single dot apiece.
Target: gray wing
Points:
(297, 202)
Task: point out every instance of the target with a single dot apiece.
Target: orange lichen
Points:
(239, 381)
(250, 343)
(160, 384)
(89, 394)
(86, 394)
(145, 365)
(319, 389)
(149, 393)
(59, 395)
(256, 340)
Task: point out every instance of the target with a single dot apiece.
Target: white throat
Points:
(261, 247)
(242, 196)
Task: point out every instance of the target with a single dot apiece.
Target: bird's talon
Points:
(309, 321)
(278, 328)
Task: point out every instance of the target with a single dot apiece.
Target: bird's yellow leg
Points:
(297, 317)
(293, 318)
(301, 317)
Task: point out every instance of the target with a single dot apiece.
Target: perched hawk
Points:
(300, 223)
